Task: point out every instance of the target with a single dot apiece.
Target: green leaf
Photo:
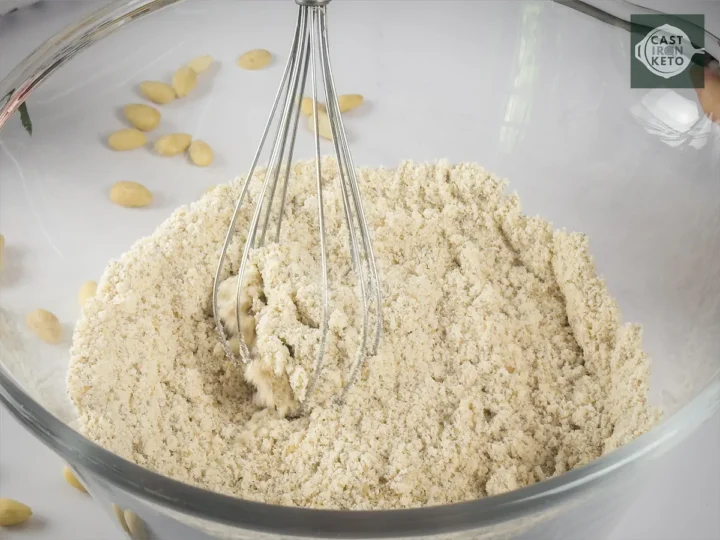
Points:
(25, 118)
(24, 114)
(6, 97)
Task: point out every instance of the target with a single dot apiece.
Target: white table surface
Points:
(681, 501)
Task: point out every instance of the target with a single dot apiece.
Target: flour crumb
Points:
(503, 362)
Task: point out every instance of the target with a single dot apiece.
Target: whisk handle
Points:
(312, 3)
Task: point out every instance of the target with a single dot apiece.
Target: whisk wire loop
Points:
(310, 50)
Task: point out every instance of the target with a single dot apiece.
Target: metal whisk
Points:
(309, 50)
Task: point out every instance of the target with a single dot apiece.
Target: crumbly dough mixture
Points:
(503, 360)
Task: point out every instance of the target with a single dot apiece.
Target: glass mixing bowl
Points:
(537, 92)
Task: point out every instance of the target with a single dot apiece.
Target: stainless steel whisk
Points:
(310, 50)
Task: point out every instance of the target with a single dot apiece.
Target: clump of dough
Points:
(280, 321)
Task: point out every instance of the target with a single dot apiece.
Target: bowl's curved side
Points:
(59, 49)
(620, 14)
(600, 488)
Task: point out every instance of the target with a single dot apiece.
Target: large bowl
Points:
(538, 92)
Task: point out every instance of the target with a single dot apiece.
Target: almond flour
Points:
(503, 361)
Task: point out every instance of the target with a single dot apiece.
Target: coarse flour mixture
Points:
(503, 360)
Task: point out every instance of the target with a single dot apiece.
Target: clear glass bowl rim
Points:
(178, 496)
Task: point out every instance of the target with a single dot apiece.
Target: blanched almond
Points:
(200, 153)
(323, 125)
(71, 479)
(13, 512)
(173, 144)
(136, 526)
(306, 106)
(201, 63)
(130, 195)
(127, 139)
(348, 102)
(157, 92)
(255, 59)
(120, 516)
(143, 117)
(45, 325)
(184, 81)
(86, 292)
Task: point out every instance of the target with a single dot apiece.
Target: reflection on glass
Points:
(675, 119)
(525, 67)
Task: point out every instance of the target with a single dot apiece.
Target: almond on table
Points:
(130, 194)
(201, 63)
(255, 59)
(348, 102)
(45, 325)
(200, 153)
(157, 92)
(173, 144)
(127, 139)
(13, 512)
(184, 81)
(142, 117)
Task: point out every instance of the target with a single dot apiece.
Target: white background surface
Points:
(681, 501)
